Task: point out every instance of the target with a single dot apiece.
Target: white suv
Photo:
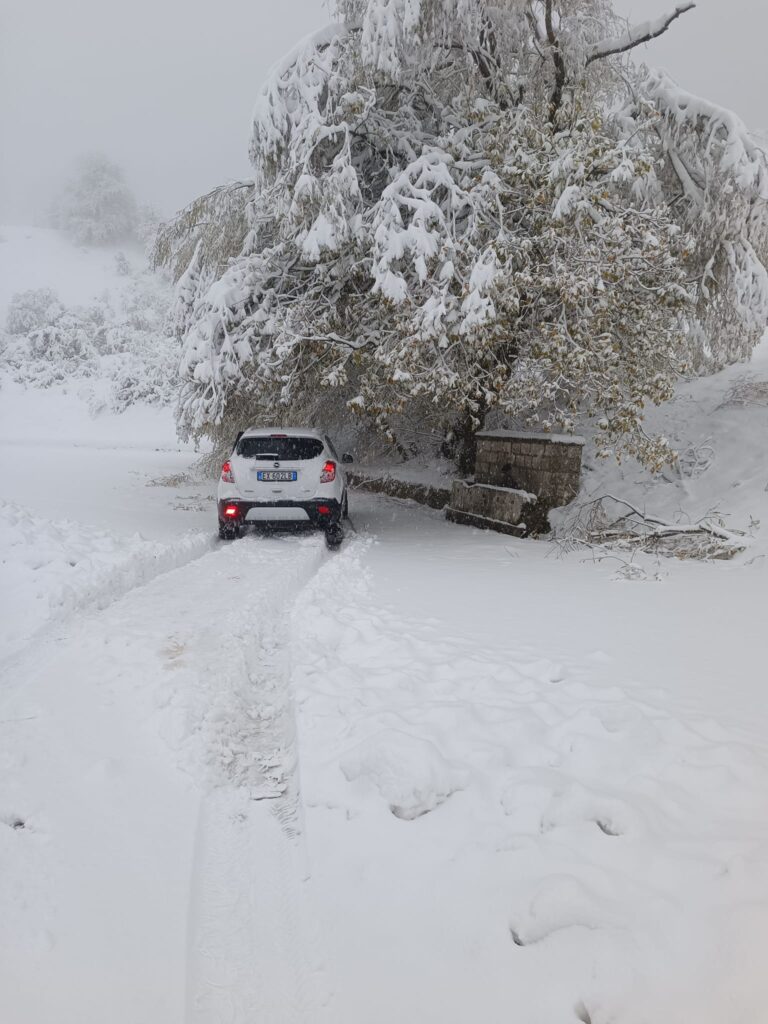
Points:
(283, 475)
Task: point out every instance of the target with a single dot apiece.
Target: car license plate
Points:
(276, 475)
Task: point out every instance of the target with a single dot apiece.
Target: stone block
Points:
(497, 508)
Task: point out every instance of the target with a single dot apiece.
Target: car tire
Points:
(229, 531)
(334, 535)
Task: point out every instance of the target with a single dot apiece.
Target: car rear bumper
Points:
(321, 512)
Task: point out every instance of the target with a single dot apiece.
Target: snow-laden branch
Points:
(637, 34)
(723, 134)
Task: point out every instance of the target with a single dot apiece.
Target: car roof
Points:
(284, 432)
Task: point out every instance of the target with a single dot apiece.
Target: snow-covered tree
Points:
(96, 207)
(716, 182)
(472, 210)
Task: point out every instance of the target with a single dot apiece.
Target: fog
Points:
(163, 87)
(166, 87)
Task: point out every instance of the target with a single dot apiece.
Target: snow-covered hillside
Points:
(32, 257)
(718, 425)
(439, 776)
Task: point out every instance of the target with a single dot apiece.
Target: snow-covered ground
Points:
(438, 776)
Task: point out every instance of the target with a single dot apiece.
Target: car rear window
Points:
(281, 449)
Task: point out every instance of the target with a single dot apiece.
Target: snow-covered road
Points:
(439, 776)
(138, 741)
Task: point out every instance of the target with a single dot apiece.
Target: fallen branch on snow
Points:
(614, 522)
(746, 391)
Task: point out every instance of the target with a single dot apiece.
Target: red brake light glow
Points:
(226, 473)
(328, 474)
(324, 510)
(231, 510)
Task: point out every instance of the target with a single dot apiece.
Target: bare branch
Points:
(637, 34)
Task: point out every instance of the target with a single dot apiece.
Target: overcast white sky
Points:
(166, 87)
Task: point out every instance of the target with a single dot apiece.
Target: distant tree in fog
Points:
(96, 207)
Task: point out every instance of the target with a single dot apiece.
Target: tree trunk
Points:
(464, 447)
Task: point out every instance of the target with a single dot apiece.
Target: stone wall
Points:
(425, 494)
(494, 508)
(518, 479)
(548, 465)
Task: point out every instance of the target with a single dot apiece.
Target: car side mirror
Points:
(346, 458)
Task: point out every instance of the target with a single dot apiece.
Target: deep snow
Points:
(439, 776)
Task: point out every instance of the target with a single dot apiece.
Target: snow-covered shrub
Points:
(123, 339)
(96, 207)
(32, 309)
(66, 344)
(468, 210)
(55, 351)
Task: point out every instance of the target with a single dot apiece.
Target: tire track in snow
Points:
(79, 568)
(188, 672)
(250, 924)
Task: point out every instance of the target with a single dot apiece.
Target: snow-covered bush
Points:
(65, 346)
(123, 339)
(96, 207)
(32, 309)
(58, 343)
(470, 210)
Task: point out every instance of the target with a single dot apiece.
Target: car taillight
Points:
(328, 474)
(324, 510)
(226, 473)
(231, 510)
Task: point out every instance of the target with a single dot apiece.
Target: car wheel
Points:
(334, 535)
(229, 531)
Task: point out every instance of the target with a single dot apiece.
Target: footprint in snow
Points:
(607, 828)
(13, 821)
(562, 902)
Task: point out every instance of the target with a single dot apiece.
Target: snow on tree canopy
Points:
(462, 212)
(720, 174)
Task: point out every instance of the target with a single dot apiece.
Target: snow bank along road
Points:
(440, 776)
